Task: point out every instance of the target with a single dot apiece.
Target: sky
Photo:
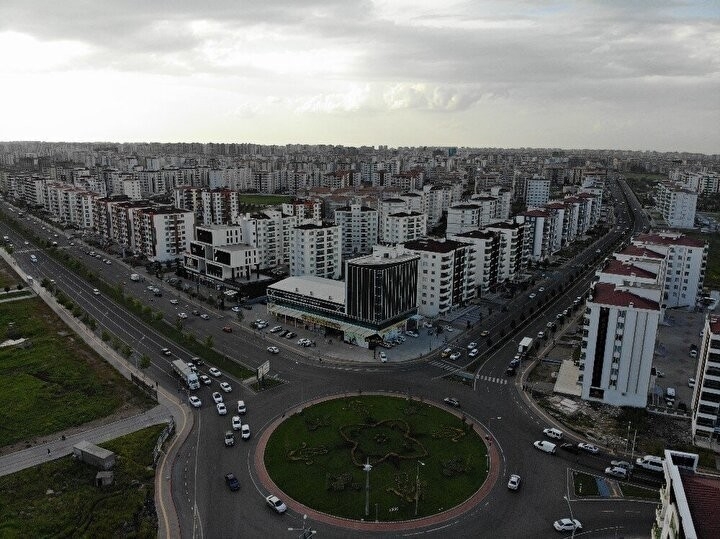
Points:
(617, 74)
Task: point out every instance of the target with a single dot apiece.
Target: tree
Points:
(144, 362)
(209, 341)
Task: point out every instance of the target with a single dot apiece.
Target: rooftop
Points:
(669, 239)
(434, 245)
(476, 234)
(715, 324)
(618, 267)
(309, 285)
(703, 499)
(634, 250)
(383, 258)
(609, 294)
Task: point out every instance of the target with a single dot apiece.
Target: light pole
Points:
(572, 518)
(367, 469)
(417, 485)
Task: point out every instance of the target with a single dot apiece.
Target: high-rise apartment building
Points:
(706, 395)
(315, 250)
(359, 229)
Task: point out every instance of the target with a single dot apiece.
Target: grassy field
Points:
(585, 484)
(8, 277)
(633, 491)
(59, 499)
(316, 456)
(55, 382)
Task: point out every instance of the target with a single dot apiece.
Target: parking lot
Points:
(672, 360)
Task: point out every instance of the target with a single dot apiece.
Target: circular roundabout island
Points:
(423, 460)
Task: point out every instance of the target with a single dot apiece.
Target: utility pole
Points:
(367, 469)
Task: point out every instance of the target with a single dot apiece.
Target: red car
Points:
(227, 329)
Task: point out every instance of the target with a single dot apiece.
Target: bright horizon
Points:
(567, 75)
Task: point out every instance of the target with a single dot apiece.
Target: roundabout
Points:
(427, 464)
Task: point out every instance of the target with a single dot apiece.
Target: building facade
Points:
(706, 395)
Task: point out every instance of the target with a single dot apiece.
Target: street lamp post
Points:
(572, 518)
(417, 486)
(367, 469)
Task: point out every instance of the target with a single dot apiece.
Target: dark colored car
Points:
(232, 482)
(510, 371)
(570, 448)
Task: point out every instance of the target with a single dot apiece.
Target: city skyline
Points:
(479, 74)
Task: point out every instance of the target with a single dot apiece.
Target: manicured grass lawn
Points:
(57, 381)
(316, 457)
(75, 507)
(8, 277)
(632, 491)
(585, 485)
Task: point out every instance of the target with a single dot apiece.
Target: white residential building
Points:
(472, 215)
(486, 245)
(162, 234)
(270, 231)
(316, 250)
(706, 395)
(512, 259)
(620, 327)
(539, 234)
(403, 226)
(537, 192)
(218, 252)
(359, 228)
(676, 204)
(446, 275)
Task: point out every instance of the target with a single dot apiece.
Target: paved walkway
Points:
(57, 448)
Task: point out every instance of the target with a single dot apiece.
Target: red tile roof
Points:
(617, 267)
(633, 250)
(715, 324)
(608, 294)
(703, 498)
(657, 239)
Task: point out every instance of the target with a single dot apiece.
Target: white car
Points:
(275, 502)
(412, 334)
(304, 341)
(165, 351)
(616, 471)
(245, 431)
(514, 482)
(205, 316)
(532, 296)
(472, 345)
(214, 372)
(205, 379)
(455, 355)
(567, 525)
(236, 423)
(227, 388)
(383, 357)
(273, 349)
(275, 329)
(182, 315)
(217, 397)
(241, 407)
(544, 445)
(449, 329)
(473, 353)
(174, 301)
(590, 448)
(221, 408)
(553, 433)
(96, 291)
(195, 402)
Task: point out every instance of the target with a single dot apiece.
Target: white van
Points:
(547, 447)
(650, 462)
(33, 258)
(553, 433)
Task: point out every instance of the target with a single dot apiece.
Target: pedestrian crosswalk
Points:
(445, 366)
(493, 379)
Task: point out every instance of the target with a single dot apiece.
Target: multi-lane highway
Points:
(206, 508)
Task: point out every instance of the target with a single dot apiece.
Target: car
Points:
(302, 341)
(412, 334)
(195, 312)
(590, 448)
(449, 329)
(484, 333)
(108, 262)
(616, 471)
(383, 357)
(275, 502)
(473, 353)
(514, 362)
(96, 291)
(275, 329)
(446, 352)
(229, 438)
(232, 482)
(544, 445)
(427, 324)
(283, 333)
(192, 367)
(567, 525)
(510, 371)
(533, 295)
(559, 315)
(241, 407)
(174, 301)
(273, 349)
(455, 355)
(691, 382)
(472, 345)
(165, 351)
(214, 372)
(205, 379)
(235, 309)
(452, 401)
(217, 397)
(290, 335)
(221, 408)
(570, 448)
(541, 289)
(236, 422)
(514, 482)
(227, 329)
(245, 431)
(549, 325)
(198, 361)
(622, 464)
(205, 316)
(598, 251)
(541, 335)
(195, 401)
(26, 243)
(227, 388)
(553, 433)
(183, 316)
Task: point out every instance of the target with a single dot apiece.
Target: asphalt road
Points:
(206, 508)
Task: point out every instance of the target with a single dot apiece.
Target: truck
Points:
(186, 374)
(524, 346)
